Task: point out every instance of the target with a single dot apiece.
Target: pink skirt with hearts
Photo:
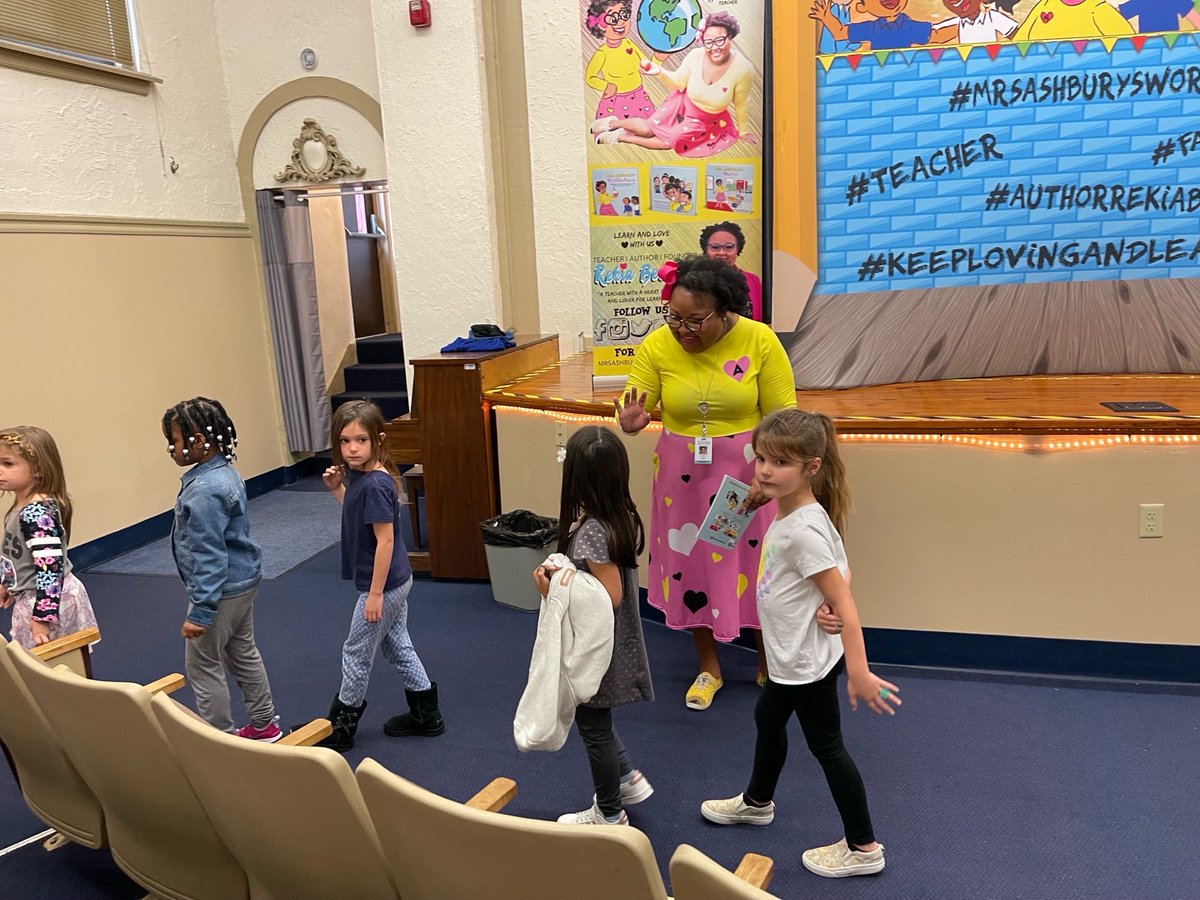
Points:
(635, 103)
(691, 131)
(697, 584)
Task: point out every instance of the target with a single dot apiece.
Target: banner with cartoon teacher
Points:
(673, 117)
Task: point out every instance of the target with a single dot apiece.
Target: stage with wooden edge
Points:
(1030, 405)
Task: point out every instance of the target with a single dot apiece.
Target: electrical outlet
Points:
(1150, 520)
(560, 432)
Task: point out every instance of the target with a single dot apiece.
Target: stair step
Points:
(392, 404)
(377, 377)
(383, 348)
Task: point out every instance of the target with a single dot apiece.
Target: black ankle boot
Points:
(423, 717)
(345, 722)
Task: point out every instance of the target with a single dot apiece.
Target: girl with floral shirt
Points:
(35, 574)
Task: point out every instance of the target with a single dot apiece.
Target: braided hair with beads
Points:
(206, 417)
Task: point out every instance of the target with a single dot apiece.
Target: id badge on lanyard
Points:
(703, 456)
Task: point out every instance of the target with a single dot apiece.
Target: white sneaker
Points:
(636, 789)
(735, 811)
(610, 137)
(839, 861)
(591, 816)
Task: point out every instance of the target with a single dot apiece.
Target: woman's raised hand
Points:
(631, 411)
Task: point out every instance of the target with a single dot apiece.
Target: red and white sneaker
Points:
(269, 734)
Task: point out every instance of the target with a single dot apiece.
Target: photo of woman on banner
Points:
(715, 374)
(615, 69)
(725, 241)
(703, 114)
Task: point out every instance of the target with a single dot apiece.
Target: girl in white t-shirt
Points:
(803, 565)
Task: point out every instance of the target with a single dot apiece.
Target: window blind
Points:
(94, 29)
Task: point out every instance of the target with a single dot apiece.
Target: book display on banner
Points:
(673, 117)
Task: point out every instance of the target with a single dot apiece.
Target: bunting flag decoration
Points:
(909, 54)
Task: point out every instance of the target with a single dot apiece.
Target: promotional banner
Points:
(673, 117)
(974, 155)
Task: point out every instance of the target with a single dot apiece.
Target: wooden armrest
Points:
(495, 796)
(756, 870)
(66, 643)
(168, 684)
(307, 735)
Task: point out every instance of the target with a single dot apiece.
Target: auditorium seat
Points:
(696, 877)
(158, 832)
(53, 789)
(437, 848)
(291, 815)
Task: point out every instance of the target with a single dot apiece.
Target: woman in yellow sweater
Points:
(716, 373)
(708, 108)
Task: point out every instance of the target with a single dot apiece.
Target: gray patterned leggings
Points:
(390, 633)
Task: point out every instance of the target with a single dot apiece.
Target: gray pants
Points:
(229, 644)
(390, 634)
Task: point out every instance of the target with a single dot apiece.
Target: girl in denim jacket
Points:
(220, 565)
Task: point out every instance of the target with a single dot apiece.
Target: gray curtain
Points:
(295, 323)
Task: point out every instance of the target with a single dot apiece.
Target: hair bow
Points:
(593, 21)
(668, 272)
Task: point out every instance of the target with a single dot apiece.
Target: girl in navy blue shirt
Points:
(375, 559)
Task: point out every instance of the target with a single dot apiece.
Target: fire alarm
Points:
(418, 13)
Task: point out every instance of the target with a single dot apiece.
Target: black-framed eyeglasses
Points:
(711, 43)
(614, 18)
(675, 322)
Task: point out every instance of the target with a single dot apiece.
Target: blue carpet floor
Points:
(290, 527)
(980, 787)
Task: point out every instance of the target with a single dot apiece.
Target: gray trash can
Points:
(515, 543)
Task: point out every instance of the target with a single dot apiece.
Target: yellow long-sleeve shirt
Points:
(731, 89)
(743, 376)
(1095, 18)
(619, 65)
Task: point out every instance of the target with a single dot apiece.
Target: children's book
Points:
(727, 518)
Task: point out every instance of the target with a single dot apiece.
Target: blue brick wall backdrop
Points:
(877, 116)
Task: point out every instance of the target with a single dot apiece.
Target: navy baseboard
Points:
(1055, 657)
(112, 545)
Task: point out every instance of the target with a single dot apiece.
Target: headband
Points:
(668, 272)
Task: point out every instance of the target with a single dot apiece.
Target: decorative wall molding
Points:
(305, 168)
(50, 223)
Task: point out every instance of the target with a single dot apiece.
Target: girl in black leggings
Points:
(803, 566)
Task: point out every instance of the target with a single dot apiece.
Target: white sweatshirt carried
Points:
(571, 654)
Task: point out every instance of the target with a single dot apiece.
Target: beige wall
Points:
(980, 541)
(104, 332)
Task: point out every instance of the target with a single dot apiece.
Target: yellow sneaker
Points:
(700, 694)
